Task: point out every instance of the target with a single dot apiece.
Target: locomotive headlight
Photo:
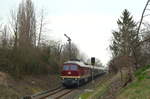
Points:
(69, 73)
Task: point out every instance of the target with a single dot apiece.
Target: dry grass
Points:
(27, 86)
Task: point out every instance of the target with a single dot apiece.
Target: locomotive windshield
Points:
(70, 67)
(73, 67)
(66, 67)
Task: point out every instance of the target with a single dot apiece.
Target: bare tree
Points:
(142, 16)
(74, 51)
(41, 26)
(122, 64)
(145, 46)
(26, 24)
(14, 27)
(135, 49)
(4, 37)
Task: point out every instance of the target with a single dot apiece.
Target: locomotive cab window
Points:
(73, 67)
(66, 67)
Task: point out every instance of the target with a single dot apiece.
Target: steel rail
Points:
(69, 91)
(43, 93)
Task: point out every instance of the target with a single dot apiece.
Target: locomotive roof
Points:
(82, 64)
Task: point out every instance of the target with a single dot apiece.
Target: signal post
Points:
(92, 71)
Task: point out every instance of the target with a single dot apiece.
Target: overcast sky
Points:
(89, 23)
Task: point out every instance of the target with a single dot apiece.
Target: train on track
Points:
(76, 73)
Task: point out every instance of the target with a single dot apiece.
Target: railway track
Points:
(60, 94)
(56, 93)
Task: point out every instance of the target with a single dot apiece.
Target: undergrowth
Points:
(139, 88)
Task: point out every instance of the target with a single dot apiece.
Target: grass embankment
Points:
(101, 88)
(15, 89)
(98, 90)
(139, 88)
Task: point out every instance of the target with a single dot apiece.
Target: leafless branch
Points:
(142, 17)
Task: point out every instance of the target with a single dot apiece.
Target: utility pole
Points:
(69, 40)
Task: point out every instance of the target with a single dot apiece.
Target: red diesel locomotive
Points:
(75, 73)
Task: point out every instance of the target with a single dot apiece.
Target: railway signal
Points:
(93, 63)
(69, 40)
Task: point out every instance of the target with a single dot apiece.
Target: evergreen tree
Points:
(124, 39)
